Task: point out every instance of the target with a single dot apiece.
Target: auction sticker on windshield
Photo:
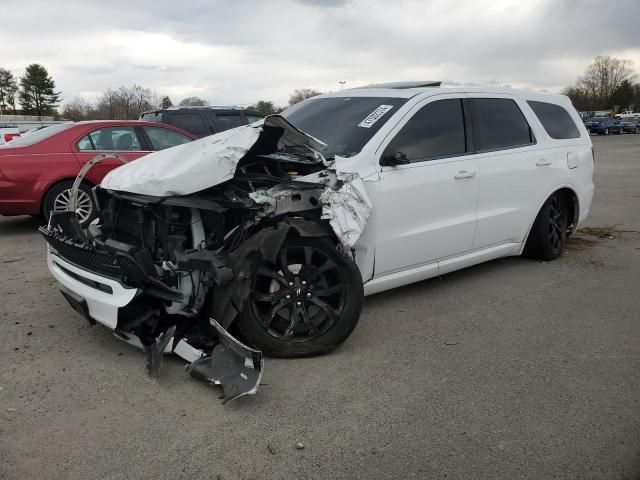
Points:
(374, 116)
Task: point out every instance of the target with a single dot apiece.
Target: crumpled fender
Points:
(230, 299)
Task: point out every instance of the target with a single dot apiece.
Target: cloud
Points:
(242, 51)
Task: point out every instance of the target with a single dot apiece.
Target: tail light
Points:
(10, 136)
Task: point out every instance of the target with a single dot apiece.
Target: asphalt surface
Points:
(511, 369)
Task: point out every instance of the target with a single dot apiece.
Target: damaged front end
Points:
(252, 223)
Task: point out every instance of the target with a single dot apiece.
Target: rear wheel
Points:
(549, 232)
(306, 303)
(58, 198)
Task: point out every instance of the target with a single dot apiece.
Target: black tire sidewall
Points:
(252, 331)
(538, 245)
(57, 189)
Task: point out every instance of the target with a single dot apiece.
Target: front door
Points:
(124, 141)
(425, 201)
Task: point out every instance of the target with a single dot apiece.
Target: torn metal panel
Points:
(232, 365)
(347, 208)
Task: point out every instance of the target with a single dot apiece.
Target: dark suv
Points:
(202, 121)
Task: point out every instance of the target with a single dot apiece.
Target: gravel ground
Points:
(514, 368)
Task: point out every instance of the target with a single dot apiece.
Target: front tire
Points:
(548, 235)
(58, 197)
(306, 303)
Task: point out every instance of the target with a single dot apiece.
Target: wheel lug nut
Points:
(288, 297)
(304, 283)
(299, 304)
(291, 284)
(308, 294)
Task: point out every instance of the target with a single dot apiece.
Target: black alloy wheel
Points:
(307, 302)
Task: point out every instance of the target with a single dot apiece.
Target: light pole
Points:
(342, 84)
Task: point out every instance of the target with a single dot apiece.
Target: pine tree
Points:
(8, 89)
(166, 102)
(37, 91)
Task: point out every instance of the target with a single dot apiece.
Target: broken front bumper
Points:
(101, 299)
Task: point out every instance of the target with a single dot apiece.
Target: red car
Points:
(37, 170)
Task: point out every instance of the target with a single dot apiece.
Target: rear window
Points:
(556, 120)
(189, 122)
(498, 123)
(38, 136)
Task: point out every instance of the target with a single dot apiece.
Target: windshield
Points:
(345, 124)
(599, 119)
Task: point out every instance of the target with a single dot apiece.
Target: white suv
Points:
(281, 227)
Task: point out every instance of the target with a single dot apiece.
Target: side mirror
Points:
(391, 160)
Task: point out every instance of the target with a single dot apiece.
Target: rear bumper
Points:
(585, 197)
(103, 296)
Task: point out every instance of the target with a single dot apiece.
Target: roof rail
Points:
(212, 107)
(400, 85)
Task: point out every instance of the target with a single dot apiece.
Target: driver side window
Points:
(435, 131)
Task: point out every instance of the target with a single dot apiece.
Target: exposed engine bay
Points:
(276, 228)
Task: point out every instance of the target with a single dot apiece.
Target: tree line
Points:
(607, 84)
(35, 93)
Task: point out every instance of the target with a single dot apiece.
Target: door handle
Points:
(543, 162)
(464, 174)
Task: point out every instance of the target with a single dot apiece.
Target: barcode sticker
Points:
(374, 116)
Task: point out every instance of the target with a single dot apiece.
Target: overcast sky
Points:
(237, 52)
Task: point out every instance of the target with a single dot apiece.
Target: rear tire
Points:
(548, 235)
(305, 304)
(58, 196)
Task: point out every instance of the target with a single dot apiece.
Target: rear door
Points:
(425, 209)
(124, 140)
(516, 168)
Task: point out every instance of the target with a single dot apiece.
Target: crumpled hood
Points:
(201, 164)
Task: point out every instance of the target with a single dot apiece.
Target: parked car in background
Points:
(38, 169)
(630, 125)
(203, 121)
(600, 125)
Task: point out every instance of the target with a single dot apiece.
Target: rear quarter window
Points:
(556, 120)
